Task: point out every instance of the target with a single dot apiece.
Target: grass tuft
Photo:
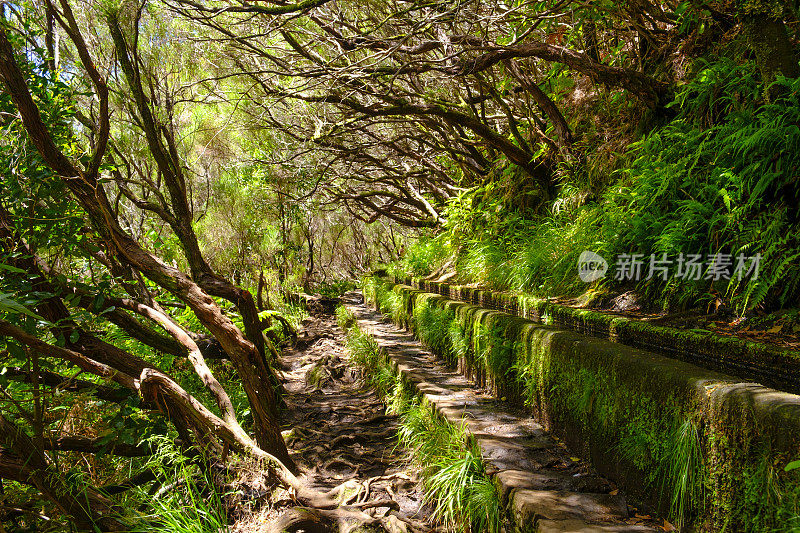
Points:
(188, 501)
(462, 496)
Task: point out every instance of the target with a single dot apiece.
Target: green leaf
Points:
(98, 301)
(10, 268)
(15, 350)
(9, 305)
(794, 465)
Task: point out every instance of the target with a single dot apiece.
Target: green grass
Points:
(364, 350)
(686, 471)
(771, 499)
(432, 326)
(456, 484)
(423, 256)
(462, 496)
(194, 505)
(334, 289)
(345, 318)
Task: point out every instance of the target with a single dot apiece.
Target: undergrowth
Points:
(719, 178)
(453, 472)
(188, 501)
(462, 496)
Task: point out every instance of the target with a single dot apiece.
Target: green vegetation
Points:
(172, 173)
(190, 502)
(449, 459)
(688, 447)
(686, 472)
(455, 480)
(345, 318)
(716, 179)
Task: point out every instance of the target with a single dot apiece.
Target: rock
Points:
(509, 480)
(579, 526)
(530, 506)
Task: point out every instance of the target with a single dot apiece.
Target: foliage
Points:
(455, 481)
(686, 472)
(364, 350)
(716, 179)
(771, 501)
(345, 318)
(687, 454)
(681, 474)
(424, 256)
(334, 289)
(432, 326)
(234, 168)
(190, 504)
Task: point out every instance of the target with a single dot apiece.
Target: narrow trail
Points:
(339, 431)
(545, 487)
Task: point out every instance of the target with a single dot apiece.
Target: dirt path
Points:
(339, 430)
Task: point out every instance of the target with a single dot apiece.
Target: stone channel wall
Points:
(702, 446)
(769, 365)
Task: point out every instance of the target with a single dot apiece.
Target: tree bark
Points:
(257, 378)
(75, 443)
(650, 90)
(772, 47)
(543, 101)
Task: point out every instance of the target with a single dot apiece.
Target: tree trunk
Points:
(774, 52)
(309, 264)
(260, 291)
(257, 377)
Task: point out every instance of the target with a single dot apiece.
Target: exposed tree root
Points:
(344, 444)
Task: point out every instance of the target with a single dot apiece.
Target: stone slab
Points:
(530, 506)
(510, 480)
(579, 526)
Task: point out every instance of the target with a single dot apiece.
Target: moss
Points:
(747, 449)
(316, 376)
(635, 427)
(495, 341)
(772, 366)
(461, 493)
(771, 498)
(432, 324)
(681, 435)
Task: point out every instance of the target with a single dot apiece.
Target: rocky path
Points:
(544, 487)
(338, 430)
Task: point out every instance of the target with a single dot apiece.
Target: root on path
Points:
(353, 476)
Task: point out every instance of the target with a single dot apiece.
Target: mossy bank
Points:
(702, 446)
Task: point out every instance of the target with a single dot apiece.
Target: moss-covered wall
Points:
(770, 365)
(706, 449)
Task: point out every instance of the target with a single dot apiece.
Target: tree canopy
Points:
(173, 169)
